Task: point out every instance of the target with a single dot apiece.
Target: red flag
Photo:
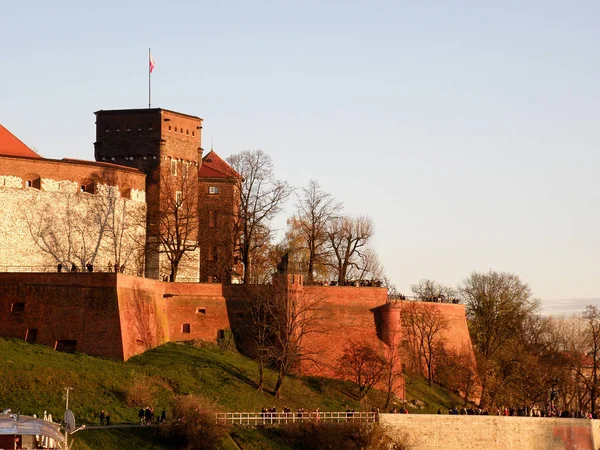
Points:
(151, 63)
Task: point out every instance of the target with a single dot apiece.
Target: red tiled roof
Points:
(11, 146)
(214, 167)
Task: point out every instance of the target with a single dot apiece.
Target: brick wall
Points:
(63, 306)
(429, 432)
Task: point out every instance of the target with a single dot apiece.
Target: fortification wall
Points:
(47, 218)
(429, 432)
(142, 314)
(346, 315)
(76, 307)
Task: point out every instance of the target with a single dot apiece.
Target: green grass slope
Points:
(32, 378)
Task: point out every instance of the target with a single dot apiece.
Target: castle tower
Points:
(166, 146)
(218, 187)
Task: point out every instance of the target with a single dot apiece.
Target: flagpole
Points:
(149, 79)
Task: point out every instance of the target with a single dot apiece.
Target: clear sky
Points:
(468, 130)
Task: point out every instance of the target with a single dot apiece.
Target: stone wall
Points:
(41, 227)
(429, 432)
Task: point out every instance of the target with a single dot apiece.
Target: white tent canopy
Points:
(26, 425)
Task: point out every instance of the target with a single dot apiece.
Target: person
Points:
(148, 416)
(73, 267)
(59, 267)
(141, 416)
(122, 268)
(116, 267)
(107, 418)
(102, 416)
(110, 266)
(163, 416)
(89, 267)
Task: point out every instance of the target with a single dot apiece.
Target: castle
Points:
(87, 249)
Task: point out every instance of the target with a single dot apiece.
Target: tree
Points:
(428, 290)
(586, 360)
(257, 305)
(348, 240)
(294, 315)
(316, 209)
(101, 226)
(497, 306)
(261, 198)
(393, 371)
(424, 325)
(362, 364)
(178, 222)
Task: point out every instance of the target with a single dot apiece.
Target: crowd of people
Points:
(146, 416)
(89, 267)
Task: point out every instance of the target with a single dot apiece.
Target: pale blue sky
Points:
(468, 130)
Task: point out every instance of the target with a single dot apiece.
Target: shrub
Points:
(343, 436)
(193, 425)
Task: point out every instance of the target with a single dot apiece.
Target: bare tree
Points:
(362, 364)
(257, 304)
(295, 315)
(348, 240)
(424, 325)
(428, 290)
(393, 370)
(90, 226)
(585, 361)
(316, 209)
(177, 218)
(261, 198)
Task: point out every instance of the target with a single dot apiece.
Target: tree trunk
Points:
(261, 374)
(279, 382)
(173, 274)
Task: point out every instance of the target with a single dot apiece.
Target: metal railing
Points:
(65, 269)
(282, 418)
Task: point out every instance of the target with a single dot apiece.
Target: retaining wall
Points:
(427, 431)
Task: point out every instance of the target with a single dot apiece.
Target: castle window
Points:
(187, 131)
(139, 128)
(185, 169)
(89, 188)
(212, 253)
(186, 328)
(213, 189)
(200, 310)
(169, 127)
(107, 128)
(193, 134)
(174, 167)
(117, 128)
(31, 335)
(149, 127)
(212, 218)
(178, 198)
(66, 346)
(175, 129)
(128, 127)
(34, 182)
(17, 308)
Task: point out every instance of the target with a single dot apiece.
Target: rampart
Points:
(119, 316)
(429, 432)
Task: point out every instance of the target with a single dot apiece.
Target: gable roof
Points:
(10, 145)
(214, 167)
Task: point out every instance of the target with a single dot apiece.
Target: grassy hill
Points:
(33, 377)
